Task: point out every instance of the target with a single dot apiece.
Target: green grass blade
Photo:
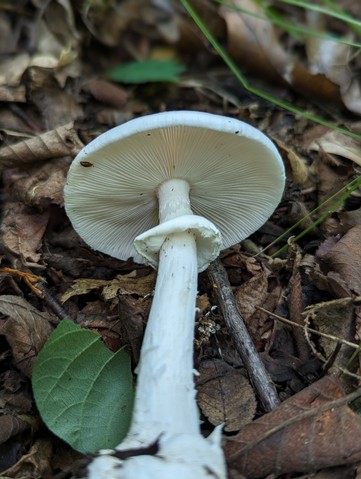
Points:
(276, 19)
(335, 13)
(244, 82)
(348, 189)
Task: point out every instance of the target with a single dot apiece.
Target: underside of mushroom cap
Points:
(235, 173)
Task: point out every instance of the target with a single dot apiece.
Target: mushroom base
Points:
(179, 457)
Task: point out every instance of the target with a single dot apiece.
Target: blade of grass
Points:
(261, 93)
(276, 19)
(349, 188)
(335, 7)
(335, 13)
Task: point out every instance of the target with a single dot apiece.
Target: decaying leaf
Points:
(225, 395)
(313, 429)
(23, 229)
(11, 426)
(337, 143)
(62, 141)
(332, 59)
(251, 41)
(37, 463)
(297, 165)
(254, 43)
(337, 269)
(122, 284)
(133, 314)
(333, 318)
(253, 292)
(343, 262)
(26, 330)
(39, 185)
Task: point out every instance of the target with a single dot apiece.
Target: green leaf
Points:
(83, 391)
(145, 71)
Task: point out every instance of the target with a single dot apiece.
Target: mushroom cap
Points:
(235, 173)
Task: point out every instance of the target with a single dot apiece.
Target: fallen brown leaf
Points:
(225, 395)
(297, 167)
(12, 425)
(35, 464)
(252, 293)
(344, 261)
(133, 314)
(40, 185)
(332, 59)
(62, 141)
(124, 284)
(251, 41)
(26, 330)
(337, 143)
(312, 430)
(22, 230)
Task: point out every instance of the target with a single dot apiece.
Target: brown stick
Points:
(259, 377)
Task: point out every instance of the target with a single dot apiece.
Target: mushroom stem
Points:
(165, 401)
(173, 199)
(165, 396)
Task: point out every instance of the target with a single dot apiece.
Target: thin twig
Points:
(257, 372)
(311, 330)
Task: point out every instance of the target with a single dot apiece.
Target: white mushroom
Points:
(171, 189)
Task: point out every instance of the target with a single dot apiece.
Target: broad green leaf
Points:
(145, 71)
(83, 391)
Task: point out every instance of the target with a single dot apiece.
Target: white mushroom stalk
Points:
(165, 399)
(171, 189)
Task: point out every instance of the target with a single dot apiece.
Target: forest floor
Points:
(60, 89)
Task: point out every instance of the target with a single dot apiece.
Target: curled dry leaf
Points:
(12, 68)
(225, 395)
(37, 463)
(254, 44)
(253, 292)
(332, 59)
(40, 185)
(344, 262)
(62, 141)
(122, 284)
(336, 143)
(297, 167)
(11, 426)
(333, 318)
(312, 430)
(26, 330)
(252, 41)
